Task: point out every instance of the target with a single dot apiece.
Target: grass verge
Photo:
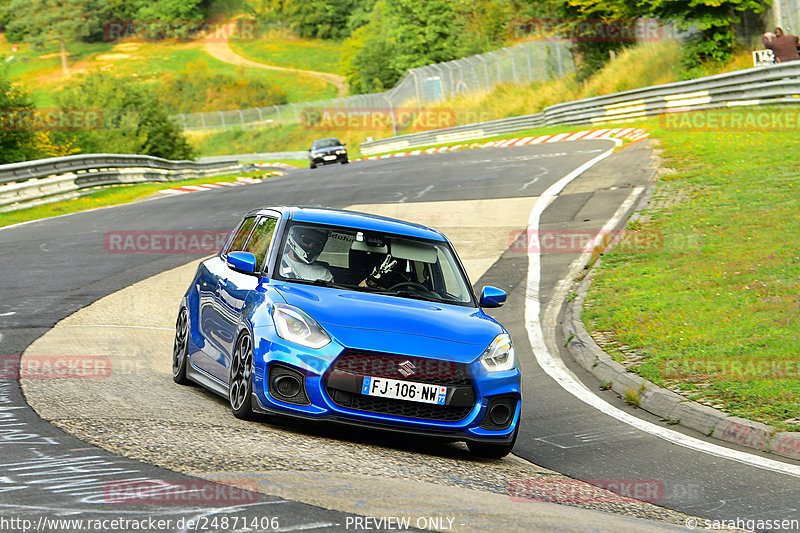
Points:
(714, 310)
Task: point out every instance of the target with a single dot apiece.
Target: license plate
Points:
(404, 390)
(329, 157)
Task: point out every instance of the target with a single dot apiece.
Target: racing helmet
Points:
(306, 243)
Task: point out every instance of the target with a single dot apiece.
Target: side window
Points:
(240, 239)
(259, 242)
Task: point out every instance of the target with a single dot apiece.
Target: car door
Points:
(233, 288)
(211, 326)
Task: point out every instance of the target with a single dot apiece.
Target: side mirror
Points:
(244, 262)
(492, 297)
(309, 150)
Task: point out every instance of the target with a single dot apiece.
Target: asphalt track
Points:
(52, 268)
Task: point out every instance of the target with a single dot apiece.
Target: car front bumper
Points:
(314, 369)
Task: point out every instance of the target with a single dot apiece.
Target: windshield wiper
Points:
(415, 295)
(320, 283)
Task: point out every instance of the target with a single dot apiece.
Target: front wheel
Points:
(180, 349)
(240, 384)
(344, 161)
(492, 451)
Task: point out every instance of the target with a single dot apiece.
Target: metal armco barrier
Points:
(60, 178)
(773, 84)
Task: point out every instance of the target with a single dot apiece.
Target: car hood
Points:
(327, 150)
(381, 323)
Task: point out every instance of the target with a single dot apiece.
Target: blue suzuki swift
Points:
(348, 317)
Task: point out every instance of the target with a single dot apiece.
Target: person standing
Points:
(783, 46)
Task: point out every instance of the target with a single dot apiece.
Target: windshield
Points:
(325, 143)
(370, 261)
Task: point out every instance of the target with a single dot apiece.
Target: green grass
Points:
(283, 50)
(718, 303)
(141, 62)
(105, 196)
(279, 139)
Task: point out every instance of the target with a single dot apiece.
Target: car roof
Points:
(355, 220)
(326, 139)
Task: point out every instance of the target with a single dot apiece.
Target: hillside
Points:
(640, 66)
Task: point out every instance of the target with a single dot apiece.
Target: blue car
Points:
(352, 318)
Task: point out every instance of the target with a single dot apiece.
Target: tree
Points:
(16, 139)
(40, 21)
(592, 49)
(327, 19)
(713, 19)
(134, 120)
(423, 32)
(366, 55)
(175, 11)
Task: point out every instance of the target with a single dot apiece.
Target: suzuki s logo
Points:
(406, 368)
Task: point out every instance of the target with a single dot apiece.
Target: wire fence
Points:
(523, 63)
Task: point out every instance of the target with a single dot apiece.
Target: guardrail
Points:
(266, 156)
(773, 84)
(60, 178)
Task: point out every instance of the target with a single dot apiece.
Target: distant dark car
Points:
(324, 151)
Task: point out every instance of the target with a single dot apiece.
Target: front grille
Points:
(390, 406)
(360, 363)
(382, 365)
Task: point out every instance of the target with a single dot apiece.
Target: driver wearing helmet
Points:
(303, 246)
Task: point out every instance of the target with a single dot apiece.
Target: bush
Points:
(198, 89)
(134, 120)
(16, 144)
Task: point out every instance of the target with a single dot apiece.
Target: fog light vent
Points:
(287, 385)
(500, 413)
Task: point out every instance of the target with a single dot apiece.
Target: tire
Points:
(312, 166)
(240, 382)
(492, 451)
(180, 348)
(344, 161)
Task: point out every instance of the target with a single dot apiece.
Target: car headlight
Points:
(295, 326)
(499, 356)
(340, 152)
